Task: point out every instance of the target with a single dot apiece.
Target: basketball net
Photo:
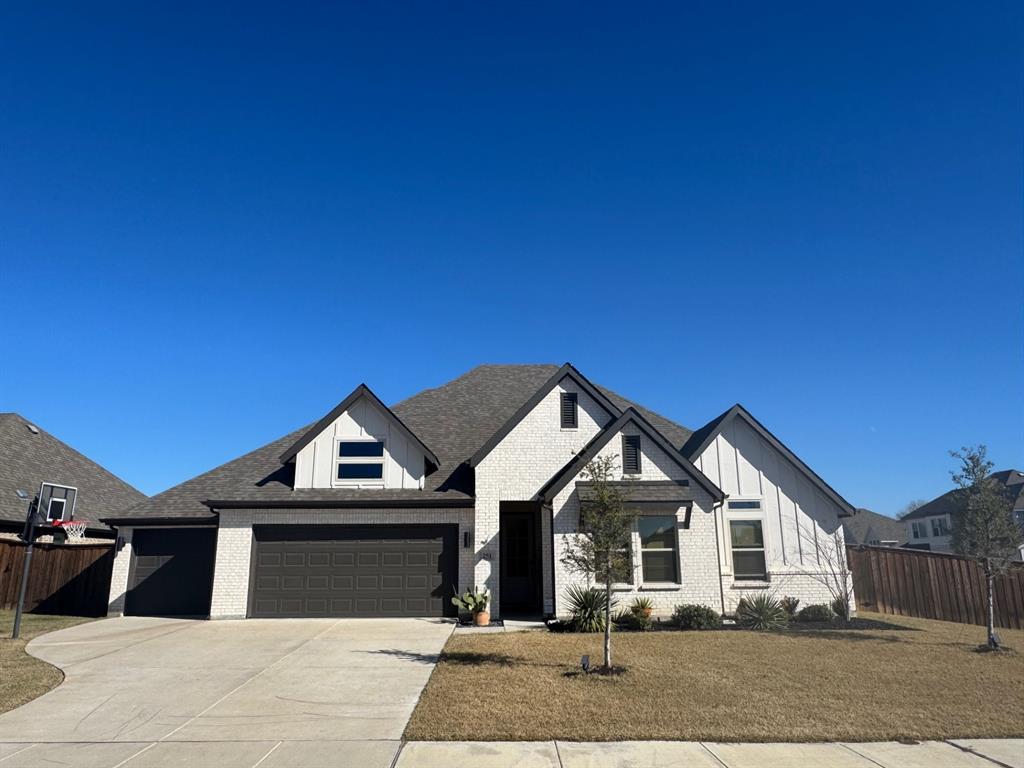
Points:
(74, 529)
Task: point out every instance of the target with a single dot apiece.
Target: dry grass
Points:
(887, 678)
(22, 677)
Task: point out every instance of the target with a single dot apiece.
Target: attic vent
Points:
(569, 410)
(631, 454)
(32, 428)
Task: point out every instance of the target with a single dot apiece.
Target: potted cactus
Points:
(474, 602)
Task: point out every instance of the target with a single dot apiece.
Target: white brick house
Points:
(377, 511)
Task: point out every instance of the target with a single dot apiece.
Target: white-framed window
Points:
(919, 530)
(659, 549)
(745, 518)
(358, 462)
(939, 527)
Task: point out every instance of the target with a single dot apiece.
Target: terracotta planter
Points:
(647, 612)
(482, 619)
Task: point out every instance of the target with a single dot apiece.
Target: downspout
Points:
(718, 551)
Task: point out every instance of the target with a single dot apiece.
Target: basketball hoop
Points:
(73, 529)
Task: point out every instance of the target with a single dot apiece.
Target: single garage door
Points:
(171, 572)
(357, 571)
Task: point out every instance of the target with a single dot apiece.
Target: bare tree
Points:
(832, 570)
(983, 525)
(910, 507)
(602, 549)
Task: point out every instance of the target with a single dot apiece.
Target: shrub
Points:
(586, 607)
(634, 620)
(690, 616)
(642, 605)
(762, 612)
(789, 605)
(815, 613)
(841, 608)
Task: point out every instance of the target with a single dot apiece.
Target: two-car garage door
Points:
(342, 570)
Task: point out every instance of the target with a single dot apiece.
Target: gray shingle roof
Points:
(867, 525)
(949, 502)
(28, 458)
(453, 420)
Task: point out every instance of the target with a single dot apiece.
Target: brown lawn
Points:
(22, 677)
(885, 678)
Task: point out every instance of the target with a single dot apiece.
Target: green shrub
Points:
(586, 607)
(691, 616)
(641, 605)
(841, 608)
(634, 620)
(790, 604)
(762, 612)
(816, 613)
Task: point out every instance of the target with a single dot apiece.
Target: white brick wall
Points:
(515, 470)
(697, 547)
(119, 573)
(234, 543)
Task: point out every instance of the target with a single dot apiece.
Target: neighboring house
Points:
(875, 530)
(377, 511)
(930, 525)
(30, 455)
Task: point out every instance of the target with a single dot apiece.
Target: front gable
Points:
(360, 444)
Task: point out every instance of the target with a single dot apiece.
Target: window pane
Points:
(352, 448)
(744, 505)
(659, 566)
(748, 564)
(657, 532)
(746, 533)
(360, 471)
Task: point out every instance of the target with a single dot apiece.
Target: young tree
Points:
(833, 568)
(983, 524)
(601, 550)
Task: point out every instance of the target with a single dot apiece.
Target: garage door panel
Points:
(171, 572)
(354, 571)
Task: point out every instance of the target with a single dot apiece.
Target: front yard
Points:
(22, 677)
(887, 678)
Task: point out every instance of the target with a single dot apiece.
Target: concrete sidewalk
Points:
(981, 753)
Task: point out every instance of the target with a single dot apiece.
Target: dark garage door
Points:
(172, 572)
(357, 571)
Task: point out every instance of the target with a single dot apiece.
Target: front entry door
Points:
(520, 567)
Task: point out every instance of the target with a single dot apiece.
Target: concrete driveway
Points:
(144, 692)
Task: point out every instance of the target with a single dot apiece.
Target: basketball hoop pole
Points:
(30, 537)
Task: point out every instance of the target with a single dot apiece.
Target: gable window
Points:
(750, 504)
(748, 561)
(919, 530)
(570, 408)
(939, 527)
(658, 541)
(359, 460)
(631, 455)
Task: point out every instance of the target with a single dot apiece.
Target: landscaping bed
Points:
(23, 677)
(879, 678)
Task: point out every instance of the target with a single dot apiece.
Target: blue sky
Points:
(214, 223)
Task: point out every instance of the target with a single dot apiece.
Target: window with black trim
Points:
(939, 527)
(570, 408)
(359, 460)
(658, 541)
(631, 455)
(748, 561)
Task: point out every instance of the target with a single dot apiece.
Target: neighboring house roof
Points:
(455, 420)
(949, 502)
(867, 525)
(629, 416)
(361, 391)
(30, 455)
(703, 437)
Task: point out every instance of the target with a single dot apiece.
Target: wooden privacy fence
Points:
(68, 579)
(932, 585)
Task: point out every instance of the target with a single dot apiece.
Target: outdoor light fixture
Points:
(467, 539)
(585, 663)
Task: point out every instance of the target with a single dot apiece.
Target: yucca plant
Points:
(587, 608)
(763, 612)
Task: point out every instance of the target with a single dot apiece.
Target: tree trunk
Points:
(608, 618)
(990, 582)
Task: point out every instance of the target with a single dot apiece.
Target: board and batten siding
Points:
(404, 462)
(799, 521)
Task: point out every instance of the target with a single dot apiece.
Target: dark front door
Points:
(520, 565)
(353, 571)
(171, 572)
